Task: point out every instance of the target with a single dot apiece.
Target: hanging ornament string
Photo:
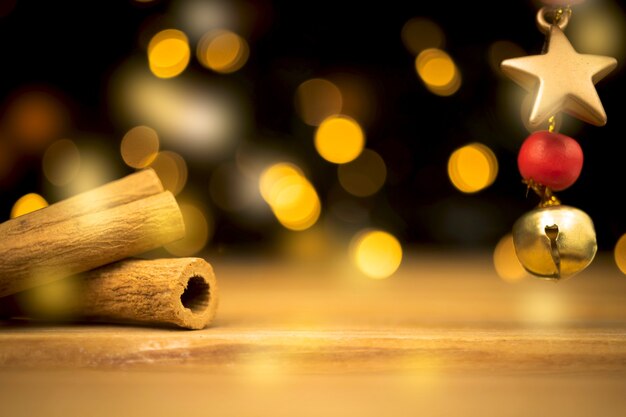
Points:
(556, 241)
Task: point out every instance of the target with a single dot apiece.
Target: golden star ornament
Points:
(562, 80)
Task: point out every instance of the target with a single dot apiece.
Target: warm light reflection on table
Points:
(315, 338)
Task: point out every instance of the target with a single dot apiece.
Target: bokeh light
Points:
(339, 139)
(27, 204)
(172, 170)
(202, 120)
(273, 174)
(196, 17)
(438, 72)
(420, 33)
(501, 50)
(198, 230)
(297, 206)
(505, 261)
(290, 195)
(95, 167)
(57, 300)
(34, 119)
(363, 176)
(376, 253)
(600, 29)
(168, 53)
(61, 162)
(472, 168)
(140, 146)
(222, 51)
(620, 254)
(316, 99)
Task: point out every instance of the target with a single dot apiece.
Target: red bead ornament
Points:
(550, 159)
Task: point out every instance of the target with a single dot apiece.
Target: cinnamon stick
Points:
(182, 292)
(39, 248)
(130, 188)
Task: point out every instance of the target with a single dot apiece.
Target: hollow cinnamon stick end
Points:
(196, 295)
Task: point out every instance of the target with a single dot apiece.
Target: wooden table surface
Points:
(444, 336)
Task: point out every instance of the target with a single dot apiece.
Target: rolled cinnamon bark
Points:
(181, 291)
(131, 188)
(35, 250)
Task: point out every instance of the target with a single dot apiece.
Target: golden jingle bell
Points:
(555, 242)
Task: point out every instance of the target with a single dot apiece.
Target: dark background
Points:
(72, 48)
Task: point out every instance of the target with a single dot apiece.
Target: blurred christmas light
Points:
(363, 176)
(272, 175)
(197, 17)
(619, 253)
(297, 206)
(35, 118)
(316, 99)
(197, 232)
(505, 261)
(420, 33)
(290, 195)
(600, 30)
(95, 168)
(472, 168)
(199, 120)
(61, 162)
(53, 301)
(172, 170)
(376, 253)
(140, 146)
(28, 203)
(501, 50)
(168, 53)
(222, 51)
(339, 139)
(438, 72)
